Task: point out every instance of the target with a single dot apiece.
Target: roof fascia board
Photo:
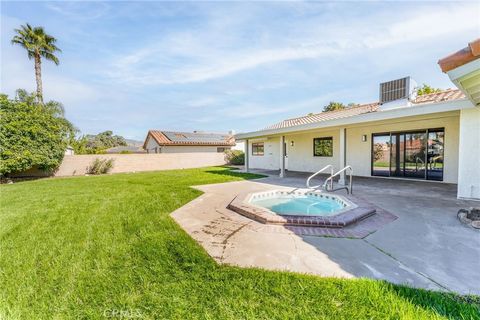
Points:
(422, 109)
(462, 71)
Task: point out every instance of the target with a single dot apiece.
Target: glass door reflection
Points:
(435, 155)
(415, 154)
(381, 155)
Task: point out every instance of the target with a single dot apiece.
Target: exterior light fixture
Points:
(292, 143)
(364, 138)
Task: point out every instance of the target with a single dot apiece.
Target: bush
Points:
(235, 157)
(97, 144)
(32, 135)
(100, 166)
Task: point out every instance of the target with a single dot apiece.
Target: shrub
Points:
(97, 144)
(100, 166)
(235, 157)
(32, 135)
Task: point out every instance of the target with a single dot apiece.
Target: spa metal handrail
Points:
(317, 173)
(330, 179)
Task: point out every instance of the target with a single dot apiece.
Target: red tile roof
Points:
(446, 95)
(461, 57)
(189, 139)
(324, 116)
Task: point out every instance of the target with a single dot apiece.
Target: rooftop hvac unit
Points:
(399, 89)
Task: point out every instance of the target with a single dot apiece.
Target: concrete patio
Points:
(426, 246)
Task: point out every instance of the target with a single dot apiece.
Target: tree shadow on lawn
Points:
(230, 171)
(447, 304)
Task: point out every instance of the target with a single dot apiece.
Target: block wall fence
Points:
(76, 165)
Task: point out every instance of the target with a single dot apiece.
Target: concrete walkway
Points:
(425, 247)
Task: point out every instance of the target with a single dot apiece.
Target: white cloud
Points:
(207, 54)
(273, 60)
(435, 23)
(80, 10)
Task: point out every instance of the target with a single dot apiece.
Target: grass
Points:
(105, 246)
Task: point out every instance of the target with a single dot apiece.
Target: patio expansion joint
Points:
(406, 266)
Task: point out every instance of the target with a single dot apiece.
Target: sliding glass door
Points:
(435, 155)
(415, 147)
(412, 154)
(381, 155)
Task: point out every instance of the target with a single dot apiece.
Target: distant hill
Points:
(134, 143)
(104, 141)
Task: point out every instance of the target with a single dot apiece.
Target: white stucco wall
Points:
(151, 145)
(271, 158)
(300, 155)
(469, 154)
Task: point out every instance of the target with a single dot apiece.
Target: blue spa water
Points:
(299, 205)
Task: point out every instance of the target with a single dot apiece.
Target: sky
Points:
(219, 66)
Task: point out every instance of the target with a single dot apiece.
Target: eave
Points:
(422, 109)
(467, 79)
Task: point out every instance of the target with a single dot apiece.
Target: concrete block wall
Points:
(78, 164)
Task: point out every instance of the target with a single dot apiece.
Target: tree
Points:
(332, 106)
(93, 144)
(38, 44)
(53, 107)
(426, 89)
(378, 152)
(235, 157)
(107, 140)
(32, 135)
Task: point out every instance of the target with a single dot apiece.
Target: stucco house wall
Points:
(151, 145)
(271, 157)
(469, 156)
(300, 155)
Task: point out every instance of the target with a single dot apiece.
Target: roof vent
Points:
(399, 89)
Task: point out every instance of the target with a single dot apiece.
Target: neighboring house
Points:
(126, 149)
(177, 142)
(429, 137)
(69, 151)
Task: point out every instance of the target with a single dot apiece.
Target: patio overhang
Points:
(418, 110)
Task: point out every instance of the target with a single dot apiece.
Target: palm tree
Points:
(38, 44)
(55, 108)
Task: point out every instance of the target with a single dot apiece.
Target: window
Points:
(219, 150)
(257, 149)
(409, 154)
(323, 147)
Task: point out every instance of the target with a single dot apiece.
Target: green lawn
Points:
(103, 246)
